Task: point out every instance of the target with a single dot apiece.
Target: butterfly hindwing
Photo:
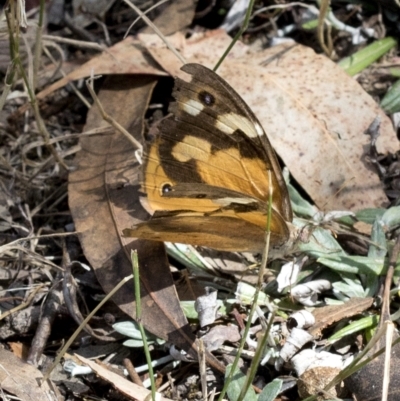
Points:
(211, 231)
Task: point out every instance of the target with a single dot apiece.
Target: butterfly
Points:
(205, 174)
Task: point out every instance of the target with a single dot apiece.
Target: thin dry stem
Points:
(324, 9)
(23, 305)
(111, 120)
(64, 74)
(80, 44)
(157, 31)
(146, 12)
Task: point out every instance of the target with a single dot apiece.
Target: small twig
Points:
(14, 45)
(29, 81)
(50, 311)
(110, 120)
(15, 244)
(146, 12)
(388, 354)
(69, 292)
(73, 42)
(37, 55)
(79, 329)
(385, 310)
(385, 317)
(8, 81)
(78, 30)
(202, 368)
(156, 30)
(71, 84)
(45, 133)
(132, 372)
(25, 304)
(260, 348)
(284, 6)
(324, 9)
(56, 192)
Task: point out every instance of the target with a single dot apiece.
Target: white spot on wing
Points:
(192, 107)
(223, 124)
(259, 129)
(229, 123)
(228, 201)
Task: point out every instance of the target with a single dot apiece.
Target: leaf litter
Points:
(103, 191)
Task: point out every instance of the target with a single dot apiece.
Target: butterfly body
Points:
(205, 175)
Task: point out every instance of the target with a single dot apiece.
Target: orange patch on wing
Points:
(154, 180)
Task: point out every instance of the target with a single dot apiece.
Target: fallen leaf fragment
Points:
(125, 57)
(20, 350)
(24, 380)
(313, 381)
(327, 315)
(207, 306)
(126, 387)
(363, 228)
(219, 334)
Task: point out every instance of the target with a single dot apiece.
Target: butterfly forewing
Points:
(243, 131)
(211, 159)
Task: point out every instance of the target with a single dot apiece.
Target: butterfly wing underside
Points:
(205, 175)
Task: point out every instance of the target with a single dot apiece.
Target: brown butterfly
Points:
(205, 175)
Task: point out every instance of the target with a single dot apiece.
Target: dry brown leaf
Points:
(363, 228)
(327, 315)
(103, 198)
(219, 334)
(24, 380)
(126, 57)
(124, 386)
(20, 350)
(313, 381)
(313, 112)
